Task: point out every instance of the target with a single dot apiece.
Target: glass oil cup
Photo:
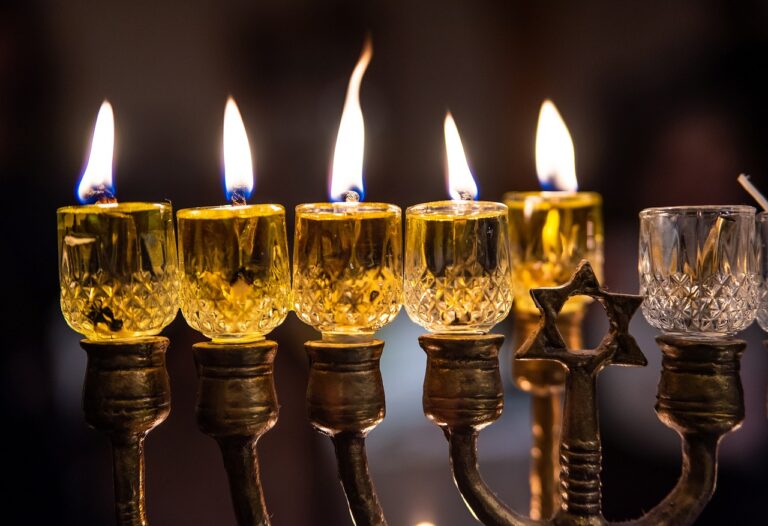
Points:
(698, 269)
(457, 266)
(550, 233)
(347, 268)
(117, 269)
(235, 278)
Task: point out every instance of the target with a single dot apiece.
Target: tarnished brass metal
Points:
(236, 405)
(700, 396)
(125, 395)
(463, 394)
(462, 384)
(545, 381)
(345, 400)
(580, 454)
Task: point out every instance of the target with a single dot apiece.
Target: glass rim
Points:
(557, 196)
(227, 211)
(122, 207)
(346, 209)
(449, 208)
(711, 210)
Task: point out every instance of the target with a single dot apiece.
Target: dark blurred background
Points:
(666, 104)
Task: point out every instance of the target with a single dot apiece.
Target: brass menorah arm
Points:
(126, 394)
(236, 405)
(356, 480)
(345, 400)
(700, 396)
(463, 394)
(484, 503)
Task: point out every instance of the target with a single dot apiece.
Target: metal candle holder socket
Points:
(345, 400)
(126, 394)
(700, 396)
(236, 405)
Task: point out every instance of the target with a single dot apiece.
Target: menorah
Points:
(123, 279)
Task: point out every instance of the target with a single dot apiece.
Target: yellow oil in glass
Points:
(117, 269)
(235, 278)
(347, 267)
(457, 268)
(550, 233)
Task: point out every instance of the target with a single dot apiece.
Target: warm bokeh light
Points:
(96, 182)
(555, 158)
(425, 523)
(347, 171)
(238, 163)
(461, 184)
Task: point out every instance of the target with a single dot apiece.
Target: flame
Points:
(461, 184)
(96, 182)
(238, 163)
(555, 158)
(347, 171)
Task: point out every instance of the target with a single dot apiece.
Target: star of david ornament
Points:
(618, 347)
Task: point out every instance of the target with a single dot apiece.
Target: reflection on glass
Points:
(762, 244)
(117, 269)
(698, 269)
(550, 233)
(347, 267)
(457, 271)
(235, 282)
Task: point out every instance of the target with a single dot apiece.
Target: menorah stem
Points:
(483, 502)
(363, 502)
(236, 405)
(128, 461)
(580, 455)
(126, 394)
(546, 422)
(544, 380)
(345, 400)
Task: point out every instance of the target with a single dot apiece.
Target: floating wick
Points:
(744, 181)
(238, 197)
(101, 195)
(464, 195)
(350, 196)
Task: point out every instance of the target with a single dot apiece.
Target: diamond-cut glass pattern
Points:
(235, 278)
(118, 269)
(347, 270)
(762, 254)
(457, 268)
(698, 269)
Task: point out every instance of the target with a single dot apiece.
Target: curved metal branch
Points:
(700, 396)
(242, 464)
(484, 503)
(364, 506)
(694, 489)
